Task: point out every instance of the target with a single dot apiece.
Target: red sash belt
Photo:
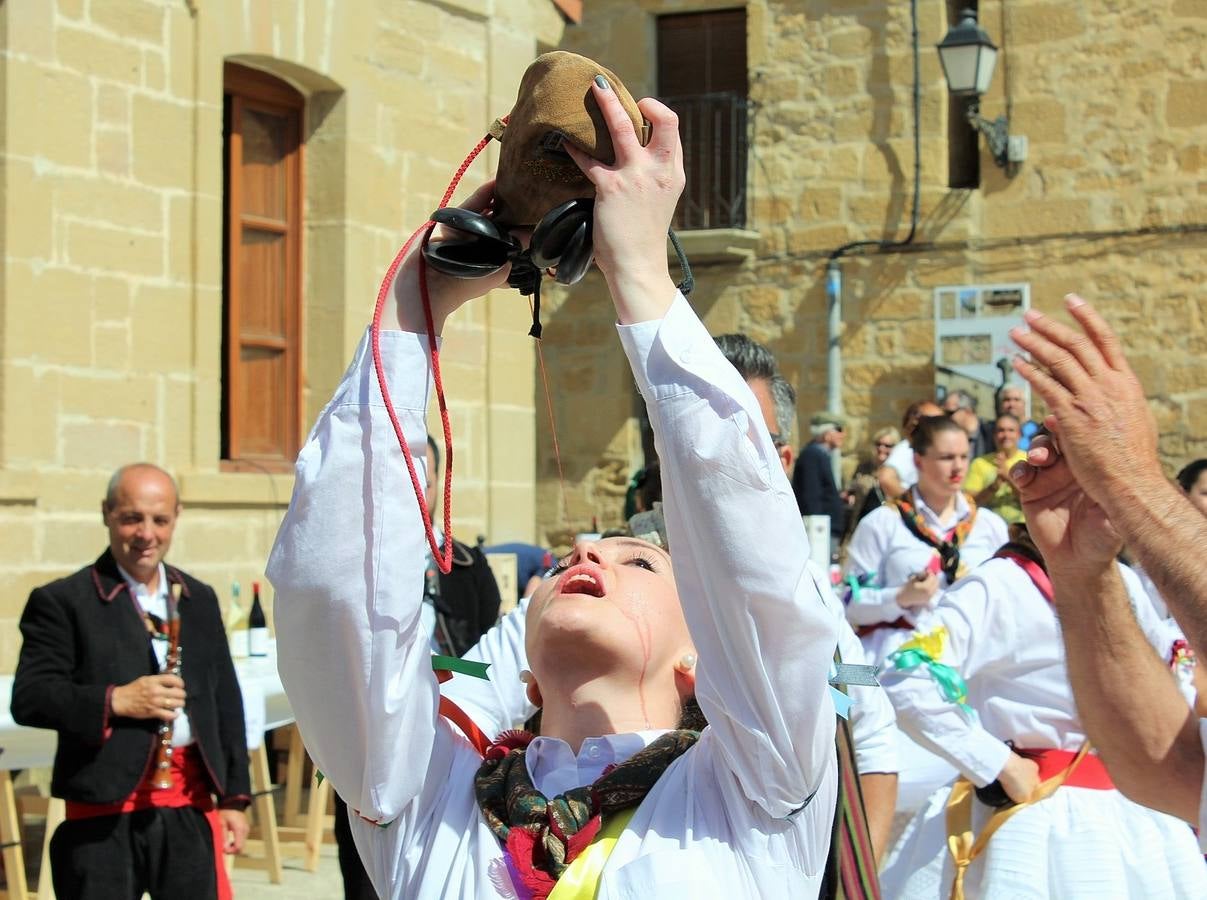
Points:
(190, 787)
(899, 622)
(1090, 772)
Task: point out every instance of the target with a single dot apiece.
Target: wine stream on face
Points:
(642, 626)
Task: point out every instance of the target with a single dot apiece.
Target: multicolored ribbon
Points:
(925, 650)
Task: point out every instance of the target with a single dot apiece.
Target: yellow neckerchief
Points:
(580, 881)
(960, 839)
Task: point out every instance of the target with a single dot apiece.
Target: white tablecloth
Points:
(265, 707)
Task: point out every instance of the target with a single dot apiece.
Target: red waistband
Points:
(190, 787)
(1090, 772)
(899, 622)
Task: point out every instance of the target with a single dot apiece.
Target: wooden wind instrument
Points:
(161, 776)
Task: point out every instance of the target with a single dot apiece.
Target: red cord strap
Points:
(444, 558)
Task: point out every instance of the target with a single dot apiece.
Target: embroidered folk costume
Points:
(744, 812)
(899, 540)
(998, 631)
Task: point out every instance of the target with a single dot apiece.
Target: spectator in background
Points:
(961, 406)
(1193, 481)
(813, 477)
(92, 668)
(899, 474)
(863, 490)
(988, 478)
(906, 551)
(1013, 401)
(532, 562)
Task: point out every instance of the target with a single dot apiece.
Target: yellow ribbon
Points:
(932, 643)
(960, 841)
(580, 881)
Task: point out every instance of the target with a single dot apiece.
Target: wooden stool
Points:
(263, 851)
(10, 841)
(301, 834)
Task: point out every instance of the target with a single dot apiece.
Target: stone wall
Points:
(110, 317)
(1112, 202)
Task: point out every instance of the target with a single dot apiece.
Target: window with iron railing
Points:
(713, 129)
(702, 77)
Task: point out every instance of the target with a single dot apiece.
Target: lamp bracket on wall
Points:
(997, 135)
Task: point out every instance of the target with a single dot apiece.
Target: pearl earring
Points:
(687, 662)
(526, 676)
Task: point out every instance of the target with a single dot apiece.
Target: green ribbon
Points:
(951, 685)
(460, 666)
(856, 583)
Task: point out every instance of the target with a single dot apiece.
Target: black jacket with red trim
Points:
(83, 636)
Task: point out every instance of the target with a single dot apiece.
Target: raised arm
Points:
(1102, 486)
(348, 571)
(764, 635)
(348, 565)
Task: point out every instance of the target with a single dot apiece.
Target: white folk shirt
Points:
(884, 547)
(501, 702)
(1004, 638)
(726, 819)
(157, 604)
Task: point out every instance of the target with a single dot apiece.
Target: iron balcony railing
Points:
(713, 129)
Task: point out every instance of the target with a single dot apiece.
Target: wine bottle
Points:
(237, 623)
(257, 635)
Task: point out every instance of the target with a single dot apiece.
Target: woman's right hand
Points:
(917, 591)
(446, 293)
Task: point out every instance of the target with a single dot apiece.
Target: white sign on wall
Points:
(972, 339)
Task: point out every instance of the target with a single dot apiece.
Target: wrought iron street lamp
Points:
(968, 58)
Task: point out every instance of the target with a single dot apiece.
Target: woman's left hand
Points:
(635, 200)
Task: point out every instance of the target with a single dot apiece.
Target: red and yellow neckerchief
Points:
(948, 545)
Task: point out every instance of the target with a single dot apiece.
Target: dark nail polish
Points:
(603, 82)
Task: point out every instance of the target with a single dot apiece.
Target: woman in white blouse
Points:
(1019, 727)
(618, 640)
(903, 553)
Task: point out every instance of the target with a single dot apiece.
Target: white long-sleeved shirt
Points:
(732, 816)
(1003, 637)
(885, 548)
(501, 702)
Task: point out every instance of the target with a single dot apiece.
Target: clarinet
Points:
(161, 778)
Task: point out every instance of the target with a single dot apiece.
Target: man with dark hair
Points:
(92, 668)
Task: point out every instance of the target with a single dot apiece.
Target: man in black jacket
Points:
(91, 668)
(813, 477)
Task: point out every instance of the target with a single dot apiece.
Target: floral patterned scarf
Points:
(542, 836)
(949, 545)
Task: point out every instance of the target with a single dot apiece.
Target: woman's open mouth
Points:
(584, 578)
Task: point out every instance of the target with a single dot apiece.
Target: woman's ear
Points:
(533, 690)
